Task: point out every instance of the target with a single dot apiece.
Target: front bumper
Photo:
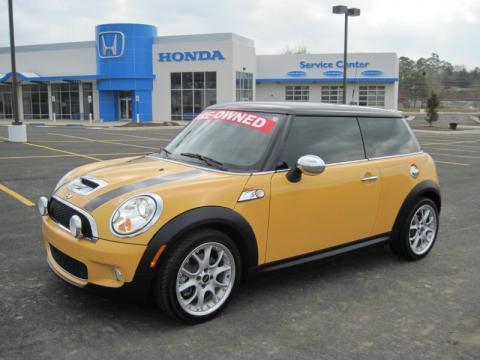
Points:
(101, 258)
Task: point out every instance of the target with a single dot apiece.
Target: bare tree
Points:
(298, 49)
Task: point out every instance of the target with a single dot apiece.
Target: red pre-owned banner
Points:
(253, 121)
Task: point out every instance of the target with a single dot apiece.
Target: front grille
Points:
(69, 264)
(61, 213)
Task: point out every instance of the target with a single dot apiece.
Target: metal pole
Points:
(345, 60)
(14, 66)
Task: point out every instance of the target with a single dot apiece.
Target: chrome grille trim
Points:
(91, 220)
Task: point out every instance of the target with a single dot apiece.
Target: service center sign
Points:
(250, 120)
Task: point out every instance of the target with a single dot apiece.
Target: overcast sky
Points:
(411, 28)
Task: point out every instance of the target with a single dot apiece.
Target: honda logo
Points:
(110, 44)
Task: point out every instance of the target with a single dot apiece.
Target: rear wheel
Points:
(199, 276)
(419, 231)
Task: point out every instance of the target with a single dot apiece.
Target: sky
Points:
(413, 28)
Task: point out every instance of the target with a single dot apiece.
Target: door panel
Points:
(256, 212)
(322, 211)
(391, 146)
(396, 185)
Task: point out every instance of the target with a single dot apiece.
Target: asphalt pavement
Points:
(364, 305)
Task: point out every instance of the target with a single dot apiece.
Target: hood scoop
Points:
(85, 185)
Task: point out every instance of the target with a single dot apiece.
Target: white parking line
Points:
(455, 146)
(451, 142)
(450, 163)
(448, 149)
(455, 155)
(107, 141)
(60, 150)
(67, 155)
(138, 136)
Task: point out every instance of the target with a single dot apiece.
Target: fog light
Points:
(75, 226)
(42, 205)
(117, 273)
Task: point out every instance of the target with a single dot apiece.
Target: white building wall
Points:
(70, 59)
(244, 60)
(52, 59)
(276, 92)
(239, 53)
(275, 70)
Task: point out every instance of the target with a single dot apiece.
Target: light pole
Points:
(342, 9)
(17, 131)
(14, 65)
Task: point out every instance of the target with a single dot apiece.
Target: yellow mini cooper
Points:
(245, 186)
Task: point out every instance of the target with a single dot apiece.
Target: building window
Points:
(6, 107)
(332, 94)
(87, 100)
(297, 93)
(244, 86)
(35, 101)
(372, 95)
(66, 101)
(191, 92)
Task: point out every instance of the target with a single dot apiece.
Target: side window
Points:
(334, 139)
(387, 137)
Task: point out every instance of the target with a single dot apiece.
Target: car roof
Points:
(306, 108)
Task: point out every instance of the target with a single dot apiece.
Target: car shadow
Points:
(258, 288)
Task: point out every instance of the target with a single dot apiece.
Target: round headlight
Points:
(136, 215)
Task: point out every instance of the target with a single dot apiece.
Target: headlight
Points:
(62, 180)
(136, 215)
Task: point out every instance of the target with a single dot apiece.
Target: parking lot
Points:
(364, 305)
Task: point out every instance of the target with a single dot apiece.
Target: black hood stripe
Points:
(112, 194)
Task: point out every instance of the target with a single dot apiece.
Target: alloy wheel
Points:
(423, 229)
(205, 279)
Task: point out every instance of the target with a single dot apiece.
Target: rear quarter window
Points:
(387, 137)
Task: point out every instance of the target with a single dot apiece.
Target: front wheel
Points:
(419, 231)
(198, 277)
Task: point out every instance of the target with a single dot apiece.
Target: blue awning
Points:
(34, 77)
(21, 75)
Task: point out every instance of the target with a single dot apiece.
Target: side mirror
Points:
(308, 165)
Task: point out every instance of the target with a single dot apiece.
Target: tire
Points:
(410, 244)
(185, 264)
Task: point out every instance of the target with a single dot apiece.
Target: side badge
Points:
(414, 171)
(251, 195)
(68, 196)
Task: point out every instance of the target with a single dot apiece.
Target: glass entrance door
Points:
(125, 99)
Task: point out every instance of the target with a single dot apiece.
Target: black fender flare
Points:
(208, 216)
(426, 188)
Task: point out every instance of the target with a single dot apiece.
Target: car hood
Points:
(182, 187)
(136, 169)
(122, 178)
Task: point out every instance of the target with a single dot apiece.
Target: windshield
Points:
(226, 139)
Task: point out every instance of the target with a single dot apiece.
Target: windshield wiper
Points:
(167, 152)
(207, 160)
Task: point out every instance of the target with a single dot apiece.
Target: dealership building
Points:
(130, 73)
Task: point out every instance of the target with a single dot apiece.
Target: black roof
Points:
(306, 108)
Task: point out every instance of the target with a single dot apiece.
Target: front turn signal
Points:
(161, 249)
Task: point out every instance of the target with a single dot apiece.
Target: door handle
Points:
(370, 178)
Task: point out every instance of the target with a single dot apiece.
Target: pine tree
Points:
(433, 103)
